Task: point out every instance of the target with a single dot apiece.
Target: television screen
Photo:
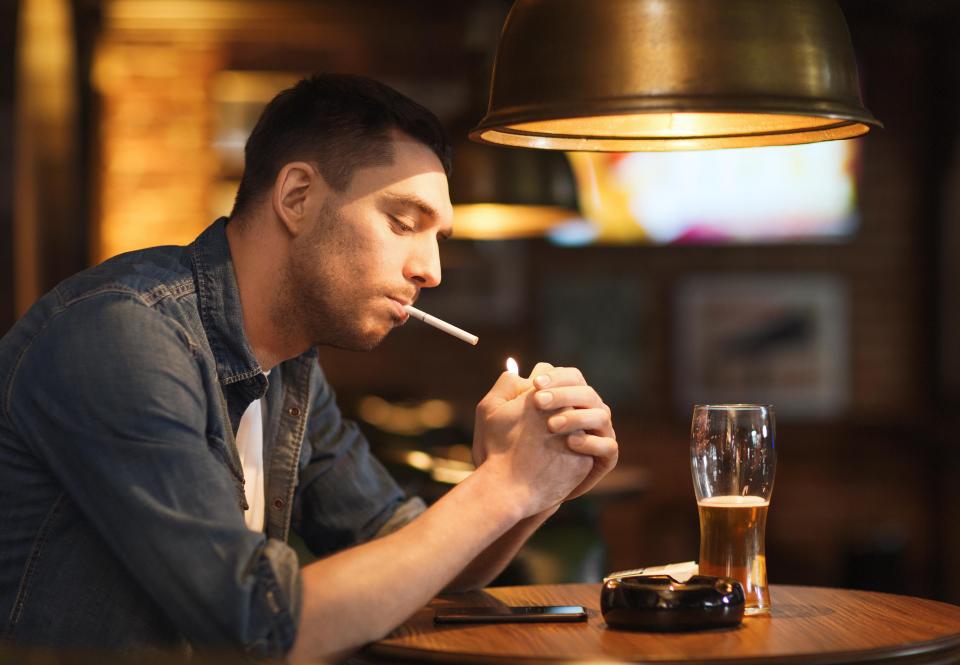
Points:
(804, 193)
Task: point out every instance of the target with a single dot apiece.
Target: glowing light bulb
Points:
(512, 366)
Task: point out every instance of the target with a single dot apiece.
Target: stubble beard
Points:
(317, 304)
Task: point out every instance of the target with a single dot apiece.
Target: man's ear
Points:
(297, 192)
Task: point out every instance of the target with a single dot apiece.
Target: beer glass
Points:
(733, 460)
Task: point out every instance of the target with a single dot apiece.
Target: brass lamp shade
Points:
(649, 75)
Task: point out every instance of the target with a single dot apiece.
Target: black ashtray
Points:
(660, 603)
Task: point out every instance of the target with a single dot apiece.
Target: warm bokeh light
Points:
(674, 125)
(512, 366)
(405, 419)
(46, 134)
(492, 221)
(441, 469)
(450, 472)
(747, 195)
(158, 160)
(662, 140)
(419, 460)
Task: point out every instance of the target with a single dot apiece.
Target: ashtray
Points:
(661, 603)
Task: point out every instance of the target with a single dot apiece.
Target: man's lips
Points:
(398, 306)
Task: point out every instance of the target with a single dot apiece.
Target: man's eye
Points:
(400, 225)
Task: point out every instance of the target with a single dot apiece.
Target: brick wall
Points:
(157, 161)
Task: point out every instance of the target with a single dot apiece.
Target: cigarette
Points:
(442, 325)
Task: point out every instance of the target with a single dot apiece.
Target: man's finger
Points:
(507, 387)
(577, 397)
(601, 447)
(579, 419)
(605, 459)
(540, 369)
(559, 376)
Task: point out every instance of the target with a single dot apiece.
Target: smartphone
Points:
(503, 614)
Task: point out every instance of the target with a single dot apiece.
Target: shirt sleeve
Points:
(345, 496)
(126, 428)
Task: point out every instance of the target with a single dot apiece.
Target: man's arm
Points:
(360, 594)
(589, 430)
(110, 394)
(485, 567)
(344, 494)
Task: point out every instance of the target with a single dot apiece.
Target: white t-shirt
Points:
(250, 447)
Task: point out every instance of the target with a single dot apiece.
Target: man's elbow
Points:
(467, 581)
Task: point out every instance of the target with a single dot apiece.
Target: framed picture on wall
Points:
(768, 339)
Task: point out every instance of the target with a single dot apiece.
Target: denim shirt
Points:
(121, 490)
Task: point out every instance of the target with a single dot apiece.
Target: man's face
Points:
(372, 248)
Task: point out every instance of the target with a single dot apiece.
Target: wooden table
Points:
(807, 625)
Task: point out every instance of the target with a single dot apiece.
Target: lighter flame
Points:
(512, 366)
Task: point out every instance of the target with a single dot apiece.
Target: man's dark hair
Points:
(337, 122)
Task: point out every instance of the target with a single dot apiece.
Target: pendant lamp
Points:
(653, 75)
(501, 194)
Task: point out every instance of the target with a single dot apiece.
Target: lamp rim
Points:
(842, 131)
(477, 133)
(503, 119)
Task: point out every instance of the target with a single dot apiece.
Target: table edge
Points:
(943, 646)
(949, 646)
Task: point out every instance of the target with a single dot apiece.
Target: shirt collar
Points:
(219, 303)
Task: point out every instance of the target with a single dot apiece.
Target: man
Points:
(127, 518)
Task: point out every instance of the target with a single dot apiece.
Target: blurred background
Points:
(824, 279)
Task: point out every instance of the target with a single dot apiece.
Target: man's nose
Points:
(423, 266)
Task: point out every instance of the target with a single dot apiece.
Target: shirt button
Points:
(294, 411)
(278, 503)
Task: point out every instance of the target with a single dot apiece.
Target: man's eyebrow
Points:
(425, 208)
(414, 201)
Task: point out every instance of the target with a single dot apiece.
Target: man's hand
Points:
(530, 462)
(574, 411)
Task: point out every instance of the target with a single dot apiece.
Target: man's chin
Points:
(366, 341)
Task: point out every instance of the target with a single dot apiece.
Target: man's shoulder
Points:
(148, 275)
(109, 300)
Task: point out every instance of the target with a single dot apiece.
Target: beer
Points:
(731, 544)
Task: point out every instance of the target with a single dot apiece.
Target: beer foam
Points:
(734, 501)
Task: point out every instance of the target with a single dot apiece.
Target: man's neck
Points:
(258, 258)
